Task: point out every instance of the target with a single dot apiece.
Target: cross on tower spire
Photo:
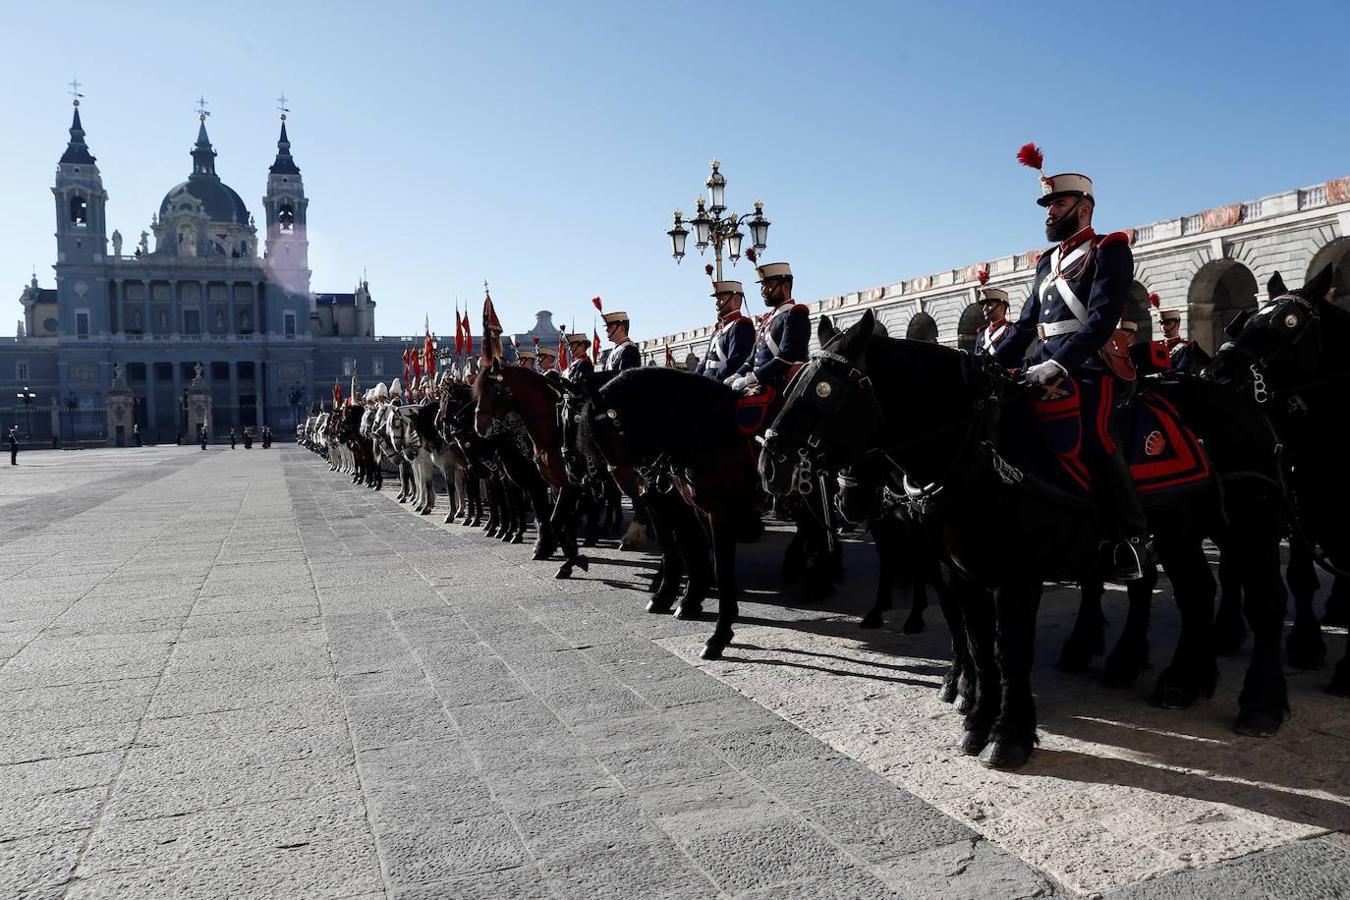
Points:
(74, 92)
(282, 107)
(201, 108)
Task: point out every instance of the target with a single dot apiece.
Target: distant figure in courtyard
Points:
(248, 437)
(136, 433)
(233, 437)
(201, 434)
(14, 445)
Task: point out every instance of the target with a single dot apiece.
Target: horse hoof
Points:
(1121, 675)
(564, 571)
(1257, 723)
(425, 512)
(660, 605)
(974, 741)
(716, 644)
(872, 620)
(490, 531)
(946, 692)
(913, 625)
(963, 703)
(1306, 650)
(539, 554)
(688, 612)
(1001, 754)
(583, 563)
(1170, 696)
(518, 538)
(1074, 657)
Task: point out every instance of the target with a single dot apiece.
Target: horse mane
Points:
(509, 374)
(670, 411)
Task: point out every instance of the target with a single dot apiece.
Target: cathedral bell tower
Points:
(80, 201)
(287, 253)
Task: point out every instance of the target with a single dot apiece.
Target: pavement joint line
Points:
(73, 878)
(791, 813)
(24, 646)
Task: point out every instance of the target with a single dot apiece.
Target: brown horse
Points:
(502, 391)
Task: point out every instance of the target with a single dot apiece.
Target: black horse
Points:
(962, 441)
(1290, 357)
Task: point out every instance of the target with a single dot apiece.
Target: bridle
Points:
(1299, 318)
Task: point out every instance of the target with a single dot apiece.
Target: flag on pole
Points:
(428, 349)
(459, 332)
(670, 358)
(492, 329)
(562, 352)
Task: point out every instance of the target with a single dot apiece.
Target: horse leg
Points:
(1130, 656)
(1193, 671)
(883, 538)
(564, 523)
(984, 696)
(662, 512)
(1306, 649)
(724, 556)
(1338, 603)
(1013, 736)
(794, 557)
(1229, 630)
(694, 550)
(513, 532)
(496, 505)
(958, 685)
(1087, 640)
(917, 589)
(1263, 703)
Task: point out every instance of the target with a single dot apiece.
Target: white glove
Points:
(1045, 372)
(745, 382)
(730, 380)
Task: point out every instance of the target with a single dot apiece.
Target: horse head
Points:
(1282, 344)
(830, 415)
(493, 396)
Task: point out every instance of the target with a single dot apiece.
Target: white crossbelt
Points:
(716, 349)
(768, 328)
(1056, 280)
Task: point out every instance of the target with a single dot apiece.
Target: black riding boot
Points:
(1131, 553)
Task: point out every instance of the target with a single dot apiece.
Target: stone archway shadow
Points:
(1219, 291)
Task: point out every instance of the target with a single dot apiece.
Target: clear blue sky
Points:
(543, 145)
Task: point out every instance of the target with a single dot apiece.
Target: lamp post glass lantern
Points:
(710, 226)
(26, 397)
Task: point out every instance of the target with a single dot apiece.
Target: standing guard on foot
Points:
(782, 340)
(1077, 298)
(734, 336)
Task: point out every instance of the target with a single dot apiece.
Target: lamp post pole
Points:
(713, 225)
(26, 396)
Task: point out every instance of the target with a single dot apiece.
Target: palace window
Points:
(288, 324)
(192, 321)
(377, 366)
(349, 366)
(21, 371)
(286, 217)
(82, 325)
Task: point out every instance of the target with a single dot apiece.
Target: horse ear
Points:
(1275, 286)
(1319, 285)
(858, 333)
(825, 330)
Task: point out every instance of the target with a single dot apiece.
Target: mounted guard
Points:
(734, 337)
(581, 366)
(624, 354)
(1069, 325)
(994, 307)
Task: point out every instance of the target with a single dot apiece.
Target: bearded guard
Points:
(579, 344)
(733, 339)
(783, 338)
(1077, 299)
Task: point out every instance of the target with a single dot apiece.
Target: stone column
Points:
(178, 398)
(235, 420)
(175, 304)
(233, 327)
(150, 420)
(147, 326)
(259, 327)
(204, 301)
(259, 390)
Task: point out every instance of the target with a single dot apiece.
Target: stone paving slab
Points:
(256, 680)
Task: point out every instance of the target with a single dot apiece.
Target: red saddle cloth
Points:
(753, 412)
(1163, 453)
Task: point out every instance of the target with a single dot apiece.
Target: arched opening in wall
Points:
(1137, 311)
(968, 326)
(79, 212)
(1337, 254)
(286, 218)
(1219, 291)
(922, 328)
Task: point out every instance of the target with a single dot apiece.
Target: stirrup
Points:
(1130, 559)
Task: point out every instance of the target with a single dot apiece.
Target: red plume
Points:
(708, 269)
(751, 254)
(982, 275)
(1154, 300)
(598, 305)
(1031, 156)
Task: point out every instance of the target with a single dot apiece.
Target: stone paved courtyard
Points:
(233, 674)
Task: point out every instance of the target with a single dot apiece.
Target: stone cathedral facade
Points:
(203, 283)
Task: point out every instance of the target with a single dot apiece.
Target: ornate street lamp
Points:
(710, 226)
(26, 397)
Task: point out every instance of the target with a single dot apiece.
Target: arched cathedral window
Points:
(79, 212)
(286, 217)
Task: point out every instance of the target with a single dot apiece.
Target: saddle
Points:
(1163, 453)
(755, 412)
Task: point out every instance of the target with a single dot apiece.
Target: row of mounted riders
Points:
(936, 451)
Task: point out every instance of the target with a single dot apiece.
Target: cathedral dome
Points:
(218, 200)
